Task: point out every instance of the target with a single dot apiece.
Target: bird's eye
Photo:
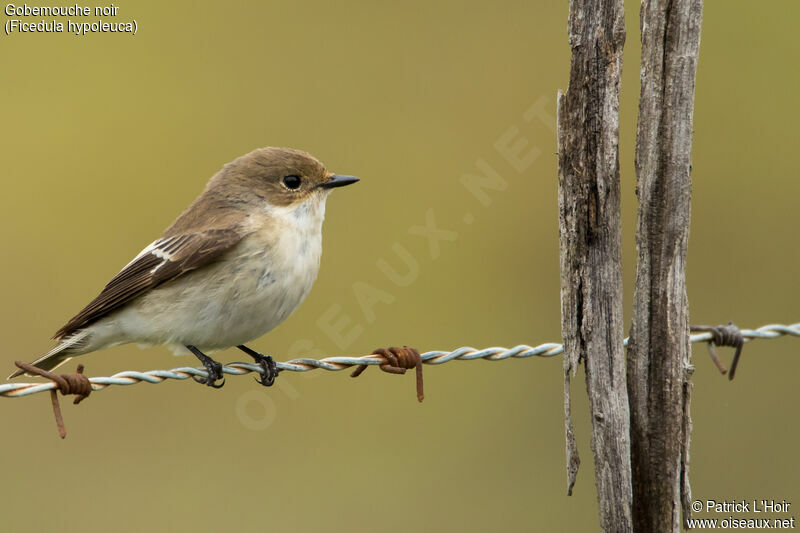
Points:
(292, 181)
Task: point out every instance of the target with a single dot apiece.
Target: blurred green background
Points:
(107, 137)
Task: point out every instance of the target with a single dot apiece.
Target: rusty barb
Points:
(397, 361)
(728, 335)
(77, 384)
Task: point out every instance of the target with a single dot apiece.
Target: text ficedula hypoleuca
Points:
(233, 266)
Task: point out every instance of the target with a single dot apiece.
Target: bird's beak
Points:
(338, 180)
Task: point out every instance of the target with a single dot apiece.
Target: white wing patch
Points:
(147, 250)
(161, 248)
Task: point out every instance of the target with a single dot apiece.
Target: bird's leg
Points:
(213, 368)
(267, 364)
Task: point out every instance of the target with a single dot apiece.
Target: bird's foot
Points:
(213, 368)
(269, 370)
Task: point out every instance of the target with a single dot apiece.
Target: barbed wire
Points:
(465, 353)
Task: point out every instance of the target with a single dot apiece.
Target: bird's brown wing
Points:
(164, 260)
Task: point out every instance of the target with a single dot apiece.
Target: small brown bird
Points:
(235, 264)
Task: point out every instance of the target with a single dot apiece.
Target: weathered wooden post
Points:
(659, 366)
(590, 235)
(640, 432)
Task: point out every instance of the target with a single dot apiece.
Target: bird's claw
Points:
(214, 370)
(269, 369)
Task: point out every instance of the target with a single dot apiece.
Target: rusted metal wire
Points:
(67, 384)
(397, 361)
(728, 335)
(466, 353)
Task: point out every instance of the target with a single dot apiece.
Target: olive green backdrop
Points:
(106, 137)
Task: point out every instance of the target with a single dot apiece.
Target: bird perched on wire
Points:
(235, 264)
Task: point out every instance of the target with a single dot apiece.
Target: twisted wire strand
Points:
(465, 353)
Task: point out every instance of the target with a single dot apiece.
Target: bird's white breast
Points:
(255, 287)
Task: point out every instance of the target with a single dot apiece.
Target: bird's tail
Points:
(67, 347)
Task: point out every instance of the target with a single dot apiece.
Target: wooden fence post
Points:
(659, 366)
(590, 234)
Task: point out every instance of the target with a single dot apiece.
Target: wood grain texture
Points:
(659, 366)
(590, 235)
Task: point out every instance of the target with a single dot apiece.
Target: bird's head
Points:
(281, 177)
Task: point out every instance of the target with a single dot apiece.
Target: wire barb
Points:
(76, 384)
(397, 361)
(728, 335)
